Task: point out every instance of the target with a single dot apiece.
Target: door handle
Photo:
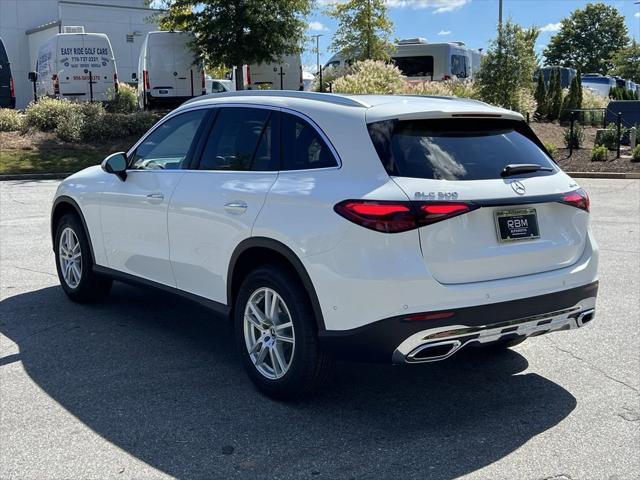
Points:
(155, 196)
(236, 208)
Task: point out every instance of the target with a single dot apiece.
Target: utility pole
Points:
(317, 37)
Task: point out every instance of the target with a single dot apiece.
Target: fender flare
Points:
(64, 199)
(291, 257)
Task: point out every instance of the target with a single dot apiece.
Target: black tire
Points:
(310, 366)
(91, 287)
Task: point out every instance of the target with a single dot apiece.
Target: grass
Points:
(38, 152)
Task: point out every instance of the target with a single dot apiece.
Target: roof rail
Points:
(319, 97)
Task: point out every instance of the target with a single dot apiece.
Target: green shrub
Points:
(599, 153)
(370, 76)
(575, 140)
(69, 127)
(10, 120)
(635, 154)
(551, 148)
(125, 100)
(47, 112)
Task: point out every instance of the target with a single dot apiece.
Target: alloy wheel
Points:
(70, 256)
(268, 333)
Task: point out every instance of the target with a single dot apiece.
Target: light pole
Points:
(317, 37)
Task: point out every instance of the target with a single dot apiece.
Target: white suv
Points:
(389, 228)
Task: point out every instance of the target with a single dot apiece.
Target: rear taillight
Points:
(204, 88)
(115, 82)
(577, 198)
(12, 90)
(248, 81)
(56, 84)
(446, 77)
(394, 217)
(145, 79)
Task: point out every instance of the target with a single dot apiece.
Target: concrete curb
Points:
(626, 176)
(60, 176)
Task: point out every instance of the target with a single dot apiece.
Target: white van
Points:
(167, 72)
(284, 75)
(76, 66)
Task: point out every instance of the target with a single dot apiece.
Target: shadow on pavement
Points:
(159, 377)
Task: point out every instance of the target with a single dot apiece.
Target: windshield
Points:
(456, 149)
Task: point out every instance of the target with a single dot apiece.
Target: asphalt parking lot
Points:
(150, 386)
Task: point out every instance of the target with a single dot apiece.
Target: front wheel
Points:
(276, 334)
(74, 263)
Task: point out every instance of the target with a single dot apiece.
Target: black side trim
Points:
(377, 341)
(293, 259)
(70, 201)
(133, 280)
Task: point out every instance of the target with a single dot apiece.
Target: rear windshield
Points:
(456, 149)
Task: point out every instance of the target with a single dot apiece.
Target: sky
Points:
(471, 21)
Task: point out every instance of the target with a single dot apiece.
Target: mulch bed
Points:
(580, 161)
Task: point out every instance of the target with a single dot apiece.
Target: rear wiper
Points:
(516, 168)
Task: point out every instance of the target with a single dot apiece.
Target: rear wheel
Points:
(276, 334)
(74, 263)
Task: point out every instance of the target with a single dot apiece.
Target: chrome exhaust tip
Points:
(432, 352)
(585, 317)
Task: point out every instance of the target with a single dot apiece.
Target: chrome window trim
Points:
(179, 111)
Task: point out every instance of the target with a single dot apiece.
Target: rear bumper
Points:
(399, 340)
(7, 102)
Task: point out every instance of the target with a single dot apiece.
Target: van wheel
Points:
(276, 334)
(74, 263)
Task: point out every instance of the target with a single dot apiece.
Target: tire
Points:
(287, 370)
(81, 283)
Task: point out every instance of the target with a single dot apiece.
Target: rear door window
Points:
(302, 146)
(456, 149)
(459, 66)
(241, 140)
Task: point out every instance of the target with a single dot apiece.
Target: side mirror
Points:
(33, 76)
(134, 76)
(116, 163)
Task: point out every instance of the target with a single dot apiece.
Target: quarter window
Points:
(459, 66)
(420, 66)
(167, 147)
(241, 140)
(302, 146)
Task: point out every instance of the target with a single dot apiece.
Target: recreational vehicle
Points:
(76, 66)
(566, 75)
(419, 60)
(600, 83)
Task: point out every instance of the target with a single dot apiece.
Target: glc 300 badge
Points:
(436, 196)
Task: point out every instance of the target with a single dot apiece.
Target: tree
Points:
(587, 39)
(572, 101)
(508, 68)
(626, 62)
(541, 97)
(239, 32)
(555, 96)
(364, 30)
